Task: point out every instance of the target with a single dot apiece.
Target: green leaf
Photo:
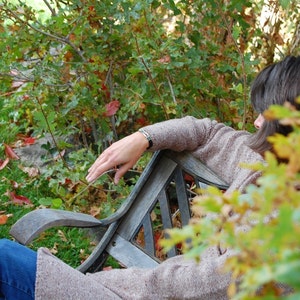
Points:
(47, 122)
(45, 201)
(174, 8)
(56, 203)
(284, 3)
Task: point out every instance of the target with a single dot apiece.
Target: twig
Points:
(244, 76)
(52, 135)
(149, 74)
(53, 12)
(171, 89)
(70, 201)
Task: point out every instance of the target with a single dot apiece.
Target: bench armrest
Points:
(35, 222)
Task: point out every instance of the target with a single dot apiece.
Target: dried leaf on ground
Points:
(3, 219)
(31, 171)
(3, 163)
(18, 199)
(95, 211)
(10, 152)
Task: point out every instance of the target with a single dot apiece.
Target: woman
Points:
(27, 275)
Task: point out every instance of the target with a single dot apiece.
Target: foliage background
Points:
(87, 73)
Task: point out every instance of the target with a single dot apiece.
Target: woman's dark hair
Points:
(276, 84)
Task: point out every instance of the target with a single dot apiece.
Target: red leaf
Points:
(91, 8)
(68, 181)
(10, 152)
(111, 108)
(88, 130)
(29, 140)
(189, 178)
(18, 199)
(3, 163)
(141, 121)
(104, 88)
(157, 238)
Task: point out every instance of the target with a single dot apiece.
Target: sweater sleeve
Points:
(186, 133)
(176, 278)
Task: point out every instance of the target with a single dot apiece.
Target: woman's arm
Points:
(178, 135)
(186, 133)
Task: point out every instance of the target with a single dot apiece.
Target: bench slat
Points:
(129, 254)
(166, 218)
(195, 167)
(183, 200)
(145, 199)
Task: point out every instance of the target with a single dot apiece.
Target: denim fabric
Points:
(17, 271)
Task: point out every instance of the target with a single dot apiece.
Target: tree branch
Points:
(64, 40)
(53, 12)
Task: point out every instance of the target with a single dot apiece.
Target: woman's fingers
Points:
(123, 154)
(106, 161)
(121, 171)
(96, 171)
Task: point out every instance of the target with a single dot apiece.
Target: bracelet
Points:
(147, 136)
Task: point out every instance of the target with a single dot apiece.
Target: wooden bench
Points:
(160, 199)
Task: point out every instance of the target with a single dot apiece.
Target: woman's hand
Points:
(122, 154)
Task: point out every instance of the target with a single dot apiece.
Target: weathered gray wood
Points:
(98, 257)
(166, 217)
(35, 222)
(129, 254)
(183, 201)
(148, 235)
(194, 166)
(144, 200)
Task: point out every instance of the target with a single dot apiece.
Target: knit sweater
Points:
(222, 149)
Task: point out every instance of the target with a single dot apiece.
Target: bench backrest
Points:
(161, 200)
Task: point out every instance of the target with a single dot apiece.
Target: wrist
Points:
(147, 137)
